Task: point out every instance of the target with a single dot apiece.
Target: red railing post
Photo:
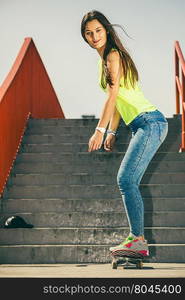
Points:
(183, 111)
(180, 89)
(176, 87)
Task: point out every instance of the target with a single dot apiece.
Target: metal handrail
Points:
(180, 89)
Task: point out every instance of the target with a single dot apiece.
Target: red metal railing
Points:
(27, 91)
(180, 89)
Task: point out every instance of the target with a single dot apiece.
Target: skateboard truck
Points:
(127, 259)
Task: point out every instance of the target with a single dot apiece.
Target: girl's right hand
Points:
(109, 142)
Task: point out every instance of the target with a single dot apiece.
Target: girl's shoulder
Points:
(113, 58)
(113, 55)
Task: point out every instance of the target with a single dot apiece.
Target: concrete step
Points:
(76, 215)
(12, 206)
(100, 219)
(46, 254)
(33, 146)
(89, 191)
(87, 178)
(48, 168)
(90, 158)
(176, 120)
(81, 138)
(90, 236)
(174, 130)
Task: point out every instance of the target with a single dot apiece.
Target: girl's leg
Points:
(143, 146)
(148, 135)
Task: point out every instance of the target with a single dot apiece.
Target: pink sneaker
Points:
(132, 246)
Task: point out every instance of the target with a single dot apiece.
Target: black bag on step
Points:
(16, 222)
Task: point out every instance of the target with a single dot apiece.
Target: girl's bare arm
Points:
(115, 120)
(114, 67)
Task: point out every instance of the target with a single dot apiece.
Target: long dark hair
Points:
(113, 41)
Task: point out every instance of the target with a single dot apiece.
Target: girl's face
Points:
(95, 34)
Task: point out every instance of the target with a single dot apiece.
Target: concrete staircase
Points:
(71, 196)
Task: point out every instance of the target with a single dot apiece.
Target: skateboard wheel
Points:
(139, 265)
(114, 265)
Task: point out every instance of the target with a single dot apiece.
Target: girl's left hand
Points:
(95, 141)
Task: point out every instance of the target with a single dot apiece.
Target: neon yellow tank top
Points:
(129, 102)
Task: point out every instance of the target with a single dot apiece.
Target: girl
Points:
(119, 79)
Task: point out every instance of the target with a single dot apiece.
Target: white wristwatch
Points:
(101, 129)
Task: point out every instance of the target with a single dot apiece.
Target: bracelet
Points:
(113, 132)
(101, 129)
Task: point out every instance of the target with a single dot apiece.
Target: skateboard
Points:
(127, 260)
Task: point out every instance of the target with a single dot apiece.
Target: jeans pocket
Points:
(163, 130)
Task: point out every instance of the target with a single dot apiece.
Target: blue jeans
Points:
(149, 130)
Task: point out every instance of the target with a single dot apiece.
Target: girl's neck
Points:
(101, 51)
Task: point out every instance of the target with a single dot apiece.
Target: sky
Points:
(54, 25)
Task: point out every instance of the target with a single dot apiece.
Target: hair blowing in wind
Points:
(113, 41)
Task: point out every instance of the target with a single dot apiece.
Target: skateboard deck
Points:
(127, 260)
